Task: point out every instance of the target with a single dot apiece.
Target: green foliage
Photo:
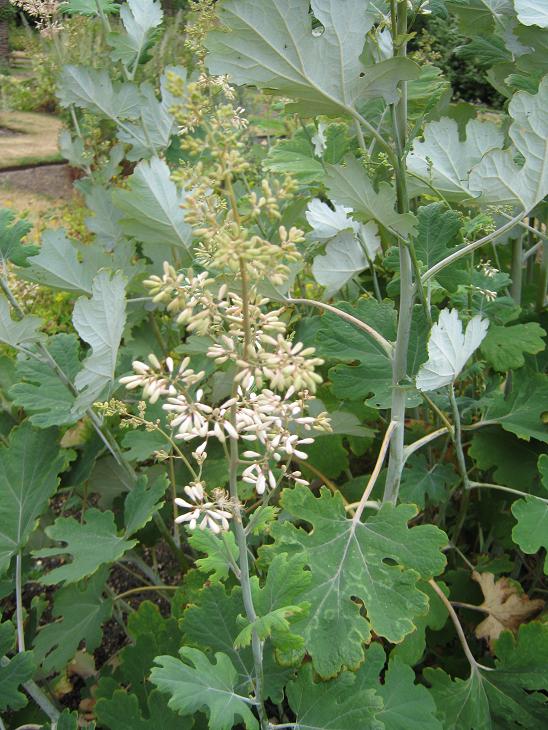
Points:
(13, 672)
(195, 683)
(29, 475)
(307, 69)
(40, 391)
(173, 566)
(16, 333)
(506, 697)
(531, 514)
(79, 610)
(100, 322)
(98, 530)
(521, 412)
(11, 233)
(379, 562)
(504, 347)
(152, 207)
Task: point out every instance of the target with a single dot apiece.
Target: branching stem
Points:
(457, 624)
(388, 347)
(457, 437)
(469, 247)
(376, 471)
(500, 488)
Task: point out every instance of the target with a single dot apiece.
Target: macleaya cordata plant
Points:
(301, 402)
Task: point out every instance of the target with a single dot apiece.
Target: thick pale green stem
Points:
(543, 279)
(19, 603)
(457, 433)
(517, 268)
(256, 643)
(399, 362)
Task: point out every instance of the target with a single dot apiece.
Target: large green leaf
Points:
(444, 161)
(11, 233)
(152, 133)
(91, 89)
(97, 532)
(64, 264)
(506, 698)
(140, 19)
(339, 704)
(514, 460)
(372, 376)
(221, 552)
(122, 712)
(438, 235)
(349, 185)
(273, 46)
(89, 7)
(212, 622)
(100, 322)
(504, 347)
(22, 332)
(40, 391)
(195, 683)
(29, 467)
(420, 481)
(406, 705)
(411, 649)
(277, 605)
(13, 672)
(143, 502)
(497, 178)
(104, 221)
(79, 610)
(377, 562)
(531, 513)
(152, 207)
(521, 412)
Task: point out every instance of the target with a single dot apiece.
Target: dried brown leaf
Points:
(507, 604)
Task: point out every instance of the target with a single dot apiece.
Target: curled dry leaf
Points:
(507, 604)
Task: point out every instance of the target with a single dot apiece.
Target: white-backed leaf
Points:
(325, 221)
(368, 234)
(104, 222)
(344, 258)
(497, 177)
(349, 185)
(100, 322)
(273, 46)
(152, 132)
(449, 348)
(88, 88)
(72, 149)
(444, 161)
(152, 207)
(140, 18)
(18, 332)
(64, 264)
(532, 12)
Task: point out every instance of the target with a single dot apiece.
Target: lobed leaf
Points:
(378, 562)
(30, 464)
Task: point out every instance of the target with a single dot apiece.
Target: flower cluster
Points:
(46, 13)
(204, 512)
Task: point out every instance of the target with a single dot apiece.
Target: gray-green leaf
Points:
(152, 207)
(29, 469)
(100, 322)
